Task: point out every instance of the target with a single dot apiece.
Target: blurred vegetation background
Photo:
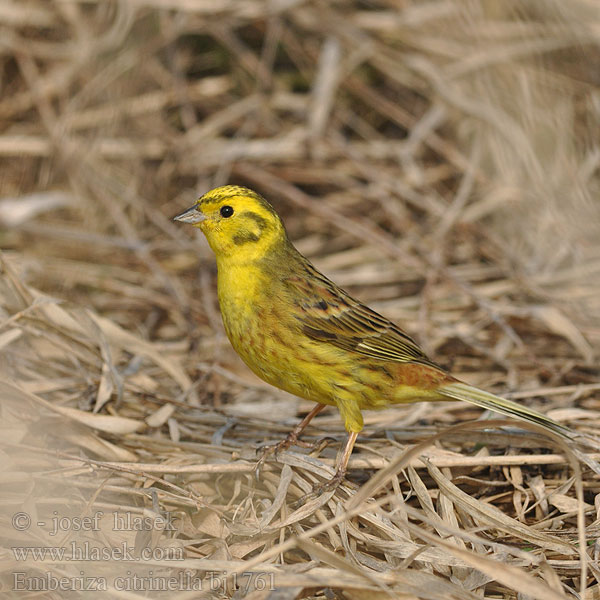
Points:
(438, 159)
(430, 137)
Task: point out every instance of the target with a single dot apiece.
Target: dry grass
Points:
(438, 159)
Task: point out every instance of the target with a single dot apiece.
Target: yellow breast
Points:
(262, 330)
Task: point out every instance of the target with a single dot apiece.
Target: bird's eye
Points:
(226, 211)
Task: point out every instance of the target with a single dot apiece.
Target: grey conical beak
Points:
(191, 215)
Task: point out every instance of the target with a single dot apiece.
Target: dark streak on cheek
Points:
(260, 221)
(243, 237)
(252, 227)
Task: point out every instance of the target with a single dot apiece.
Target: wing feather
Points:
(328, 314)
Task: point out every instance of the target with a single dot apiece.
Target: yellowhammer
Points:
(300, 332)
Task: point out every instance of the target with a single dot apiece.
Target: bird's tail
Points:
(468, 393)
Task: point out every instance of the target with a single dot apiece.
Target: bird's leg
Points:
(292, 438)
(340, 471)
(342, 464)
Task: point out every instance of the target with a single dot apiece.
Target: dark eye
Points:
(226, 211)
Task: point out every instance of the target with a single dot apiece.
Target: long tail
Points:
(468, 393)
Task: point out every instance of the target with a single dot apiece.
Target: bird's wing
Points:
(328, 314)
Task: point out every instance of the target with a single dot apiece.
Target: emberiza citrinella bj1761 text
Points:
(302, 333)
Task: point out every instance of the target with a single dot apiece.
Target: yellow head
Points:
(236, 221)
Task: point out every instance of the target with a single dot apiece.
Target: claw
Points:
(321, 444)
(320, 489)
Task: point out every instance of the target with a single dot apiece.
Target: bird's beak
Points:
(191, 215)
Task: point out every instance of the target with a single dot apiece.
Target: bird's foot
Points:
(320, 489)
(275, 449)
(292, 440)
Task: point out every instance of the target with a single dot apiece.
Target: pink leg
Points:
(292, 438)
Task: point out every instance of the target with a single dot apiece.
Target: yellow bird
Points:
(302, 333)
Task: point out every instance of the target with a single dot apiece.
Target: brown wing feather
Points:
(330, 315)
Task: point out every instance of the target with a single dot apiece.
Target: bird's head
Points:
(236, 222)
